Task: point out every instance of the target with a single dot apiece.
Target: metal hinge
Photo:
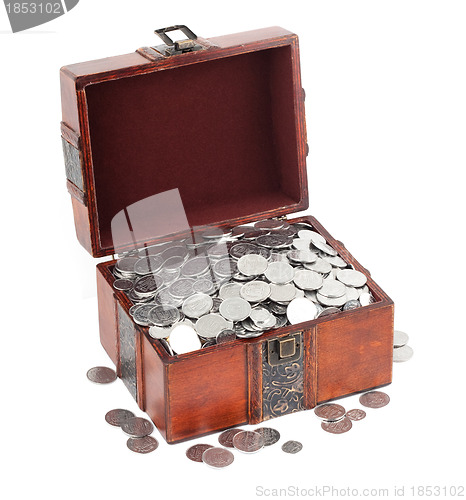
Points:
(180, 46)
(281, 217)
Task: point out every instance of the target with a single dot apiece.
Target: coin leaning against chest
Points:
(374, 399)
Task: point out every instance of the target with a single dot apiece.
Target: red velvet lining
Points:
(223, 132)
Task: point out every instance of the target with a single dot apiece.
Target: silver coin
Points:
(229, 290)
(123, 284)
(214, 233)
(400, 338)
(137, 427)
(145, 444)
(241, 249)
(204, 285)
(252, 265)
(101, 375)
(118, 416)
(302, 256)
(332, 289)
(308, 280)
(260, 315)
(319, 266)
(273, 241)
(255, 291)
(300, 310)
(141, 314)
(374, 399)
(235, 309)
(195, 267)
(164, 315)
(340, 427)
(335, 261)
(279, 273)
(306, 234)
(270, 224)
(160, 332)
(210, 325)
(148, 284)
(148, 265)
(351, 304)
(126, 264)
(270, 436)
(197, 305)
(248, 441)
(282, 293)
(183, 338)
(330, 412)
(225, 336)
(196, 451)
(218, 251)
(218, 457)
(164, 298)
(182, 288)
(327, 311)
(178, 251)
(352, 293)
(225, 268)
(325, 247)
(331, 302)
(301, 244)
(292, 447)
(356, 414)
(226, 437)
(351, 277)
(166, 346)
(366, 299)
(401, 354)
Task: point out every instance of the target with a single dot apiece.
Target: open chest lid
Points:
(218, 123)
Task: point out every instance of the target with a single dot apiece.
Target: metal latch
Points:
(284, 349)
(180, 46)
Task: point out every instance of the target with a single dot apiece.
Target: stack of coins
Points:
(336, 420)
(401, 350)
(247, 280)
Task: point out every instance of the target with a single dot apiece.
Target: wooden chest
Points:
(217, 123)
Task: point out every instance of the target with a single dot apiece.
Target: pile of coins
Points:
(336, 420)
(237, 284)
(239, 439)
(401, 350)
(138, 429)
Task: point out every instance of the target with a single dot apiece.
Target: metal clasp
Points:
(180, 46)
(284, 350)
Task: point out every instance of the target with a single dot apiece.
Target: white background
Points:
(386, 117)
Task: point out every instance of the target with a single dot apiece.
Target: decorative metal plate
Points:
(127, 351)
(283, 384)
(72, 164)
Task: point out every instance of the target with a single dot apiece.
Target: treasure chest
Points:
(181, 142)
